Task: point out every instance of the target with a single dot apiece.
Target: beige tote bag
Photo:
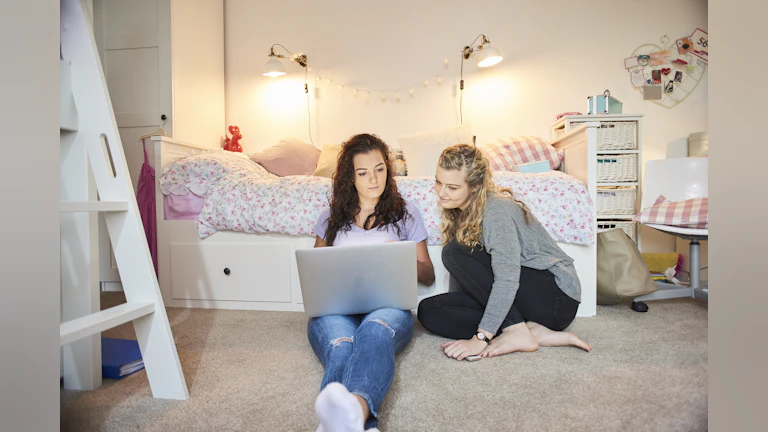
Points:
(621, 270)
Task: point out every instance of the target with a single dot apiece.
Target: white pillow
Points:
(423, 150)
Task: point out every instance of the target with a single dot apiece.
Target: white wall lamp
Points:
(486, 55)
(274, 67)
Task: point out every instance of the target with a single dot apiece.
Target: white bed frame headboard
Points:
(171, 149)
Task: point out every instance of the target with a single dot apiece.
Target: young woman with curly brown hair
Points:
(512, 288)
(358, 351)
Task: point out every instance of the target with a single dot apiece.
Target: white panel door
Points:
(133, 38)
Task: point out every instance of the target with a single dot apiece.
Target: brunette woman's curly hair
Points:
(345, 202)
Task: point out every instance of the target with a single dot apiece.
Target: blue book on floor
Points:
(120, 357)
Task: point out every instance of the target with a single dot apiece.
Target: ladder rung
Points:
(93, 206)
(88, 325)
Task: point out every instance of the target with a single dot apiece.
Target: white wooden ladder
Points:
(88, 124)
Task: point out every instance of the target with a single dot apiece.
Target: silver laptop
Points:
(349, 280)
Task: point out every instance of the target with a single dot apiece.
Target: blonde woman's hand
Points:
(460, 349)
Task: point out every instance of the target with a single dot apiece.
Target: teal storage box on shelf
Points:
(604, 104)
(534, 167)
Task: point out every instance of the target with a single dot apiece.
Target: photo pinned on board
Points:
(652, 92)
(678, 77)
(684, 45)
(638, 80)
(631, 63)
(670, 87)
(659, 58)
(656, 76)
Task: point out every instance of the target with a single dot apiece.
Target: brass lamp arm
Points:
(298, 57)
(469, 49)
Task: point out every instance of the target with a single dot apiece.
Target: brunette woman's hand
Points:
(460, 349)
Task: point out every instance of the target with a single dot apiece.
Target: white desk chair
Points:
(677, 179)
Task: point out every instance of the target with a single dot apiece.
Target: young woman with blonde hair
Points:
(512, 288)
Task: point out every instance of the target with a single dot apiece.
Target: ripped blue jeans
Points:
(358, 351)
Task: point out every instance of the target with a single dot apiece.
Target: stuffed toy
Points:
(233, 144)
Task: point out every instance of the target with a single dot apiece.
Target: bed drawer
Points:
(231, 271)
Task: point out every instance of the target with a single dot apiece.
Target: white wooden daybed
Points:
(262, 272)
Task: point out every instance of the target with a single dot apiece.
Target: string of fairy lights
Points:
(383, 93)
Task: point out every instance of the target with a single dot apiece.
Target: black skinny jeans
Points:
(457, 315)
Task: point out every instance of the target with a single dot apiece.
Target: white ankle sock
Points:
(338, 410)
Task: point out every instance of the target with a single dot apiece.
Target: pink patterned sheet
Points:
(241, 196)
(182, 207)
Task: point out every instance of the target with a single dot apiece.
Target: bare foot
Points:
(551, 338)
(515, 338)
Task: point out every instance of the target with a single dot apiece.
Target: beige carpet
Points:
(255, 371)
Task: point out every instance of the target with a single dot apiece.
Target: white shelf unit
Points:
(613, 147)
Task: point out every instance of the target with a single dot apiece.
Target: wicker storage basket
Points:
(614, 135)
(629, 227)
(616, 200)
(616, 168)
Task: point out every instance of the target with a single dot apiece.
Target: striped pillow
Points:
(505, 154)
(692, 213)
(499, 158)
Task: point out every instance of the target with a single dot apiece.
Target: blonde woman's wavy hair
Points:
(466, 226)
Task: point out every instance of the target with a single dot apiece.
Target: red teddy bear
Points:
(233, 144)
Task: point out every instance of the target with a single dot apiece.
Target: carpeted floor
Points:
(255, 371)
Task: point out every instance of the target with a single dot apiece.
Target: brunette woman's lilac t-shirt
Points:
(411, 229)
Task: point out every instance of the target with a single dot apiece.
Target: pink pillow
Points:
(290, 156)
(508, 152)
(692, 213)
(499, 157)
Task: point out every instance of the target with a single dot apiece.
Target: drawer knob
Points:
(227, 271)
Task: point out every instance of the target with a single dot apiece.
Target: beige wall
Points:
(556, 54)
(197, 28)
